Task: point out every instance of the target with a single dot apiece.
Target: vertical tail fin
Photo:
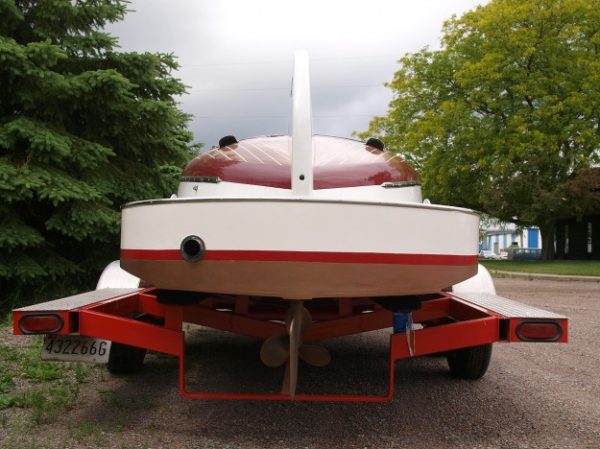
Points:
(302, 147)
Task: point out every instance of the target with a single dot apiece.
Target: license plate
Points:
(75, 348)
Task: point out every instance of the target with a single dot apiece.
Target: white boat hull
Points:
(300, 248)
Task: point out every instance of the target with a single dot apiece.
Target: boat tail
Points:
(298, 249)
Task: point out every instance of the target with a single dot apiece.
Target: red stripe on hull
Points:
(307, 256)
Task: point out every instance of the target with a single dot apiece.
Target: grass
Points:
(45, 389)
(90, 432)
(36, 393)
(560, 267)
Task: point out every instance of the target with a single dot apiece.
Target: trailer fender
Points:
(482, 282)
(123, 359)
(114, 276)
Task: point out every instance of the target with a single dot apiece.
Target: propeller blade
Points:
(275, 351)
(315, 355)
(278, 349)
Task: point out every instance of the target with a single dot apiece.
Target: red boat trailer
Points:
(445, 322)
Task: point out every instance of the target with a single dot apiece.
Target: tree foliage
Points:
(83, 129)
(507, 112)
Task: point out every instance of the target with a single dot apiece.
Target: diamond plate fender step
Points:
(507, 307)
(77, 301)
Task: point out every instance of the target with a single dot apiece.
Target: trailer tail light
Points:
(542, 331)
(41, 323)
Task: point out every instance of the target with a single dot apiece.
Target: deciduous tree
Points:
(507, 112)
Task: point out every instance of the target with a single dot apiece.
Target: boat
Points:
(299, 217)
(292, 240)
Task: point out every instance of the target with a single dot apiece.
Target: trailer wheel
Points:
(125, 359)
(470, 363)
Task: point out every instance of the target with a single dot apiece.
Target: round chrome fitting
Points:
(192, 248)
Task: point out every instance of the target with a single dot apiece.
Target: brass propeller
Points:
(279, 349)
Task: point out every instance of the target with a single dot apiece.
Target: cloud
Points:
(237, 56)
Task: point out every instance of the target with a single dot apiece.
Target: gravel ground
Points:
(533, 396)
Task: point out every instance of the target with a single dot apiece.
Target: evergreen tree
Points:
(83, 129)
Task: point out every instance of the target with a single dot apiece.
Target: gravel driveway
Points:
(533, 396)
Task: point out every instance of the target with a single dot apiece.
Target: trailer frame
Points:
(444, 322)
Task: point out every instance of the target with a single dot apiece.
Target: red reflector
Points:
(40, 323)
(539, 331)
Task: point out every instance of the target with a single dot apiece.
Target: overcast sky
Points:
(236, 56)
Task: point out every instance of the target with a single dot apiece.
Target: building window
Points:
(566, 239)
(589, 237)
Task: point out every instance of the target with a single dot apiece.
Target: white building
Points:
(497, 236)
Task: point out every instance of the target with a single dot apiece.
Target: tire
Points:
(125, 359)
(470, 363)
(122, 359)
